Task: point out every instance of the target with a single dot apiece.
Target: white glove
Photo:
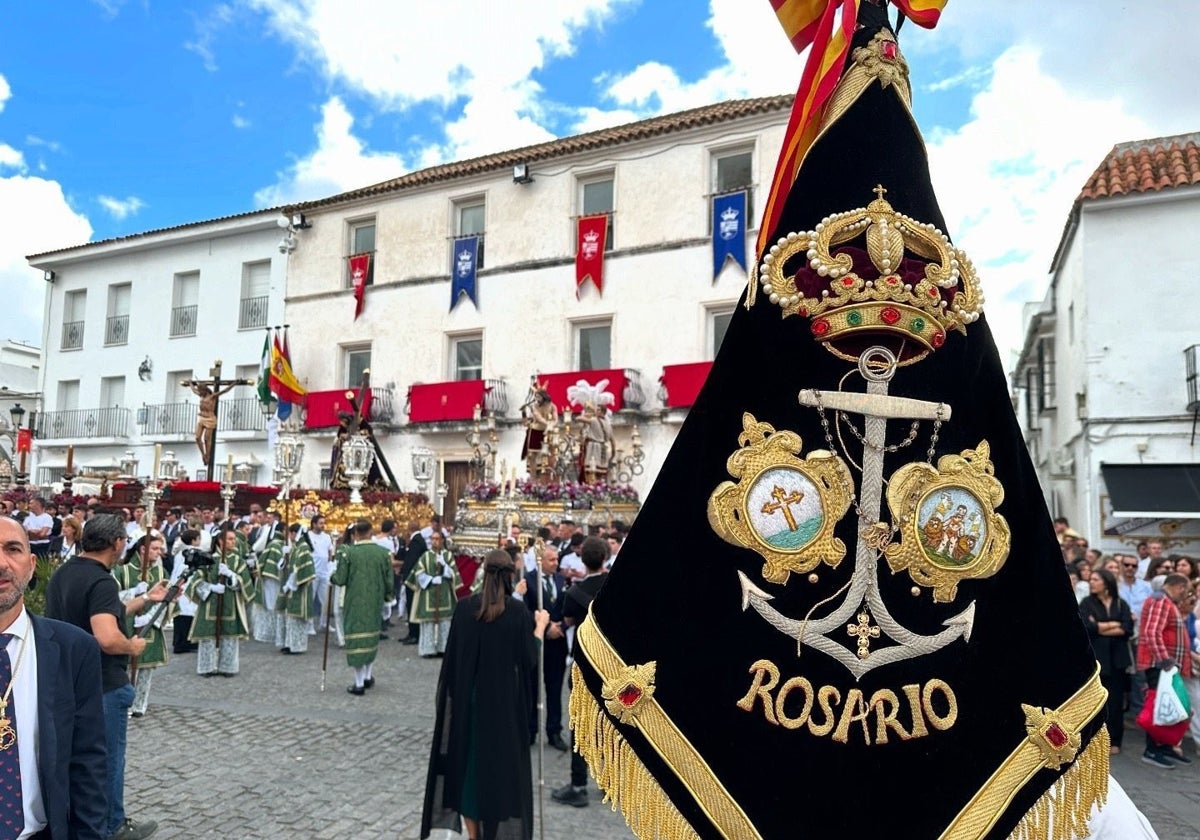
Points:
(290, 586)
(423, 580)
(141, 621)
(437, 580)
(225, 570)
(287, 549)
(251, 561)
(444, 565)
(216, 588)
(141, 589)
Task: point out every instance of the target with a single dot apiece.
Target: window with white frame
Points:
(718, 325)
(68, 395)
(596, 195)
(358, 359)
(466, 356)
(362, 241)
(112, 392)
(185, 300)
(470, 217)
(74, 307)
(593, 345)
(116, 326)
(256, 292)
(733, 170)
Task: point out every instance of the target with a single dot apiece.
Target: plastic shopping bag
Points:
(1161, 734)
(1182, 693)
(1168, 709)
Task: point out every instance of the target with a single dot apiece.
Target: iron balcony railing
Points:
(177, 418)
(84, 423)
(72, 335)
(252, 313)
(633, 396)
(495, 397)
(183, 320)
(233, 415)
(382, 404)
(116, 330)
(242, 414)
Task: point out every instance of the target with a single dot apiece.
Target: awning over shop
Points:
(1162, 491)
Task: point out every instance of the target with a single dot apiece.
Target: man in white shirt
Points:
(322, 551)
(38, 525)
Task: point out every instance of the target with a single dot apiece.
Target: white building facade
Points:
(128, 319)
(19, 399)
(1106, 381)
(660, 306)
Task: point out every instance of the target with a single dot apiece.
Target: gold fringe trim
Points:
(623, 778)
(1063, 811)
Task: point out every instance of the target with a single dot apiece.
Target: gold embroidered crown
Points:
(922, 298)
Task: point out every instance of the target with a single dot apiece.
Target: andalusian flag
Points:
(283, 380)
(816, 24)
(264, 371)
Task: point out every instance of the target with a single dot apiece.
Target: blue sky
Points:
(119, 116)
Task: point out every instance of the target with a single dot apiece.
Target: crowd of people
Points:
(1141, 610)
(196, 581)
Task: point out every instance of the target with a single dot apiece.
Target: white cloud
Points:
(240, 122)
(120, 208)
(5, 91)
(11, 158)
(1007, 178)
(444, 53)
(207, 28)
(340, 162)
(35, 217)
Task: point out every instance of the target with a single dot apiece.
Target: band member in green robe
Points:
(294, 604)
(221, 592)
(365, 570)
(141, 570)
(434, 581)
(265, 621)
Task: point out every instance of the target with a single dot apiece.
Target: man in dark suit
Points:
(64, 790)
(416, 548)
(554, 645)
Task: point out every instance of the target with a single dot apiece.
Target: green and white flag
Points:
(264, 371)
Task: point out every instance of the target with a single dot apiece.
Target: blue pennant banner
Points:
(728, 230)
(462, 281)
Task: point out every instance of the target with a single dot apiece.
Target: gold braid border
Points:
(625, 781)
(1063, 811)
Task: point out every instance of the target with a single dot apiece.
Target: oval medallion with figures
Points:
(953, 526)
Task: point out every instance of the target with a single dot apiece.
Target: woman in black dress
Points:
(1109, 623)
(479, 768)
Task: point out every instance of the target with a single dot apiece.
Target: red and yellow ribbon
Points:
(816, 23)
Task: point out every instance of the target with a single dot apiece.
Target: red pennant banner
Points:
(589, 251)
(359, 266)
(25, 440)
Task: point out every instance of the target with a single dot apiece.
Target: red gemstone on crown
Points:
(889, 50)
(629, 695)
(820, 327)
(847, 281)
(893, 280)
(890, 315)
(1056, 737)
(939, 338)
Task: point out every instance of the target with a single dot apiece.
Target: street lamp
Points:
(17, 413)
(129, 466)
(357, 457)
(269, 407)
(422, 464)
(18, 416)
(168, 466)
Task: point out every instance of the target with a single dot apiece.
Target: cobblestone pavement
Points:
(268, 755)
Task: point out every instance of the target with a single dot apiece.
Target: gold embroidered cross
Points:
(783, 502)
(863, 630)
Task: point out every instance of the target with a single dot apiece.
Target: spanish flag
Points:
(826, 26)
(283, 380)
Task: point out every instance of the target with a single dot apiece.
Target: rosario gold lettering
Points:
(796, 704)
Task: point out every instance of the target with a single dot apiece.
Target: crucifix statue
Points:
(210, 392)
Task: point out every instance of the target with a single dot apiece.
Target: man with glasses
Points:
(1134, 591)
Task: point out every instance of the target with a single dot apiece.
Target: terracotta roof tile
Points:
(666, 124)
(1146, 166)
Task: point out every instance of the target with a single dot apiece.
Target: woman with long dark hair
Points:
(1161, 566)
(479, 768)
(1109, 624)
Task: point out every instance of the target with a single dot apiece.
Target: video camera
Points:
(195, 559)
